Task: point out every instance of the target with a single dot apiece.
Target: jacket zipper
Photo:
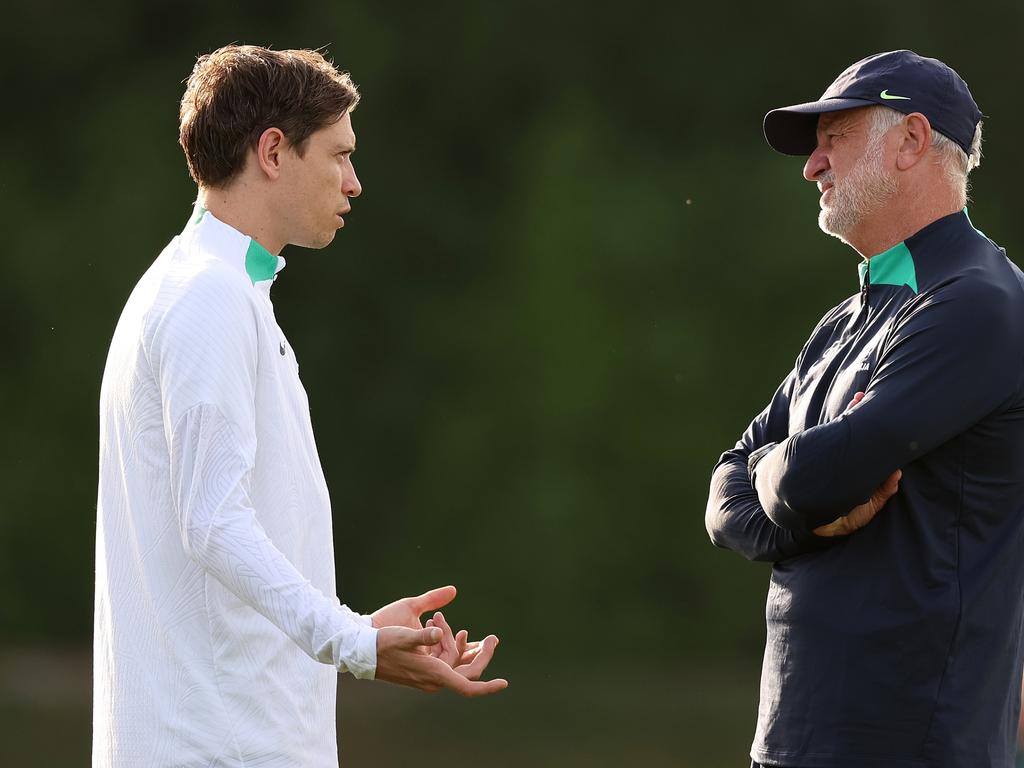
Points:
(865, 293)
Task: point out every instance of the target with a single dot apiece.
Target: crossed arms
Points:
(777, 495)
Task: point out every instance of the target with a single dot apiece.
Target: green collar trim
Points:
(260, 264)
(972, 223)
(892, 267)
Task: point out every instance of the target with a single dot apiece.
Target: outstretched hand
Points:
(407, 611)
(463, 661)
(401, 660)
(864, 513)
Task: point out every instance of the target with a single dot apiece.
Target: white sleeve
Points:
(206, 355)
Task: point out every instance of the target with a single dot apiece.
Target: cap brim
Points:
(793, 130)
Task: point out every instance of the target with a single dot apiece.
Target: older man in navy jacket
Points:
(894, 638)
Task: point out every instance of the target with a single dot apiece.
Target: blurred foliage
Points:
(574, 275)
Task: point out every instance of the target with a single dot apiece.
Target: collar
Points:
(227, 243)
(895, 266)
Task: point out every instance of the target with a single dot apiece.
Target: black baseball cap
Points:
(898, 79)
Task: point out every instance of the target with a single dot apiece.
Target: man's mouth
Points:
(825, 188)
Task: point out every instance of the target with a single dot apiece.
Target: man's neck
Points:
(899, 218)
(246, 215)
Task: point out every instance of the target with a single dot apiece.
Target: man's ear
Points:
(269, 149)
(915, 139)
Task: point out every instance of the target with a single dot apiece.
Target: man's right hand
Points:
(864, 513)
(400, 660)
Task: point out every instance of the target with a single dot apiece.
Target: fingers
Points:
(893, 481)
(457, 682)
(451, 653)
(836, 528)
(481, 687)
(857, 397)
(434, 599)
(403, 638)
(475, 668)
(434, 650)
(862, 514)
(457, 650)
(887, 489)
(434, 657)
(469, 653)
(399, 662)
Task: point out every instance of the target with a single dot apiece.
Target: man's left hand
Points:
(455, 649)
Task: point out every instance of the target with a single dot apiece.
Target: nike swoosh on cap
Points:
(885, 95)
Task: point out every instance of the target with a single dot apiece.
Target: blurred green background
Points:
(575, 273)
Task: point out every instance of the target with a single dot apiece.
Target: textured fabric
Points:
(217, 634)
(899, 645)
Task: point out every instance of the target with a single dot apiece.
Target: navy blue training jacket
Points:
(899, 645)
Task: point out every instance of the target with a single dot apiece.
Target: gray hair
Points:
(956, 163)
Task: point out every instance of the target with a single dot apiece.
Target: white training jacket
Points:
(218, 637)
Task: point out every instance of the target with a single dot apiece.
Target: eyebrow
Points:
(840, 123)
(844, 120)
(345, 147)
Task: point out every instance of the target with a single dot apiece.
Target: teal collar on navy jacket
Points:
(895, 266)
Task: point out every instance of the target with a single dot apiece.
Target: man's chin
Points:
(828, 223)
(322, 240)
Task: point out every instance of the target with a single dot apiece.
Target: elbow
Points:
(780, 500)
(779, 492)
(784, 516)
(798, 505)
(714, 523)
(716, 516)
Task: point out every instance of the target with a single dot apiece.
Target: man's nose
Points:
(816, 164)
(351, 186)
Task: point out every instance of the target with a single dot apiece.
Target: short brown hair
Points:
(237, 92)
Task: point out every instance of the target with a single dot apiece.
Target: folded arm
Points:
(734, 516)
(951, 361)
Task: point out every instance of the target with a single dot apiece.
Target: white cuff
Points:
(363, 662)
(365, 619)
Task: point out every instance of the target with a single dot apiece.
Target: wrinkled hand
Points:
(401, 660)
(864, 513)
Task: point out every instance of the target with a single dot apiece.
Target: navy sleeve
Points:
(950, 360)
(734, 517)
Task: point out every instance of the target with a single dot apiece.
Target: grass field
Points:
(586, 717)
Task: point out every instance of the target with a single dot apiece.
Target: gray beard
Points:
(867, 189)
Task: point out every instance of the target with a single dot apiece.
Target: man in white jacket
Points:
(218, 636)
